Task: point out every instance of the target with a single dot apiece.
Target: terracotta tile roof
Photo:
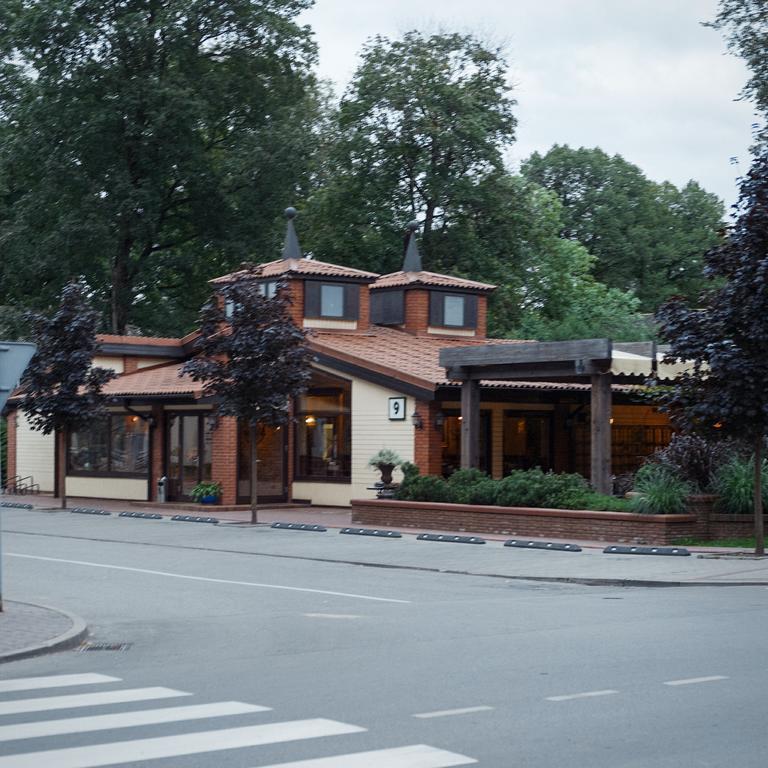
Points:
(290, 267)
(152, 341)
(415, 359)
(394, 353)
(401, 279)
(163, 379)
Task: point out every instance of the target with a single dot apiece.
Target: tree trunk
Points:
(253, 429)
(121, 286)
(759, 534)
(61, 466)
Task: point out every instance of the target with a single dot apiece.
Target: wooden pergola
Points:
(593, 361)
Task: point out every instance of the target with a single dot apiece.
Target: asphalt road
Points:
(288, 660)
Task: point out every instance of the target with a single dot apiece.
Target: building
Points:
(377, 382)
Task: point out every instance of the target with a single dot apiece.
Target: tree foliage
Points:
(62, 390)
(645, 237)
(254, 361)
(726, 342)
(144, 143)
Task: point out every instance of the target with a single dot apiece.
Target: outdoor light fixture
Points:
(416, 420)
(310, 421)
(439, 420)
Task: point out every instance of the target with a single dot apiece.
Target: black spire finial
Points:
(291, 249)
(412, 261)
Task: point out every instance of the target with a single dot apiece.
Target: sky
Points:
(641, 78)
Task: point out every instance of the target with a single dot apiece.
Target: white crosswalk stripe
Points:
(125, 720)
(143, 747)
(87, 700)
(53, 681)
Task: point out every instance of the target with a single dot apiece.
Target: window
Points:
(335, 301)
(268, 289)
(118, 445)
(323, 430)
(452, 310)
(332, 300)
(388, 307)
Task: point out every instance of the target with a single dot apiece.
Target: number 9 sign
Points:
(396, 408)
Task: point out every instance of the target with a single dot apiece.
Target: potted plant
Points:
(385, 461)
(206, 492)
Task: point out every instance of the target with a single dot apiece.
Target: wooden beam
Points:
(526, 353)
(547, 371)
(600, 433)
(470, 425)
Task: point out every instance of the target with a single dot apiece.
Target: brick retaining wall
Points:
(614, 527)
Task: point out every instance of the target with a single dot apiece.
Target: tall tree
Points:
(645, 237)
(252, 361)
(726, 342)
(420, 133)
(745, 26)
(62, 389)
(133, 137)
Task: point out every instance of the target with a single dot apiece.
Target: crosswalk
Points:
(18, 748)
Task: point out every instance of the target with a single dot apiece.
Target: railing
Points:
(21, 486)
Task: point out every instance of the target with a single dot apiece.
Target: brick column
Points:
(224, 458)
(428, 441)
(130, 364)
(416, 311)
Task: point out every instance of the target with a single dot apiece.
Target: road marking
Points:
(449, 712)
(175, 746)
(206, 578)
(585, 695)
(693, 680)
(331, 616)
(54, 681)
(125, 720)
(87, 700)
(415, 756)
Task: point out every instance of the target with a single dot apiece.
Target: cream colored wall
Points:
(344, 325)
(112, 363)
(145, 362)
(371, 431)
(131, 489)
(34, 454)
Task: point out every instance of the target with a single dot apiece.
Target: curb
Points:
(68, 639)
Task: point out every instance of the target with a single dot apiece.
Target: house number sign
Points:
(396, 408)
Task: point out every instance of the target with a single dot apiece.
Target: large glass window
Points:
(117, 445)
(323, 430)
(527, 440)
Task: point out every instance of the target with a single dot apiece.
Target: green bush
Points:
(594, 501)
(484, 492)
(534, 488)
(425, 488)
(462, 484)
(694, 459)
(734, 485)
(660, 491)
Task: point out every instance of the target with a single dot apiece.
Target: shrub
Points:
(385, 456)
(734, 486)
(534, 488)
(660, 491)
(425, 488)
(693, 459)
(597, 502)
(463, 482)
(484, 492)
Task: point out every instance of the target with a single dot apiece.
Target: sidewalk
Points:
(28, 630)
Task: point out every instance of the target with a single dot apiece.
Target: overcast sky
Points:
(641, 78)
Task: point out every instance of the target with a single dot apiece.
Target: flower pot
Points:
(209, 499)
(386, 473)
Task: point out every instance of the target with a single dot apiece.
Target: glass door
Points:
(188, 453)
(272, 484)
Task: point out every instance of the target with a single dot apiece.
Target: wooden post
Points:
(253, 431)
(470, 424)
(600, 432)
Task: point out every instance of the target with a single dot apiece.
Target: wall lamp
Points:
(439, 420)
(416, 420)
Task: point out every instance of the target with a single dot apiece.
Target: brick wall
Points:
(295, 291)
(10, 469)
(224, 458)
(482, 317)
(130, 364)
(428, 441)
(364, 317)
(613, 527)
(416, 311)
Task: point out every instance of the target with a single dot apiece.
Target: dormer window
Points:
(331, 301)
(452, 310)
(268, 288)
